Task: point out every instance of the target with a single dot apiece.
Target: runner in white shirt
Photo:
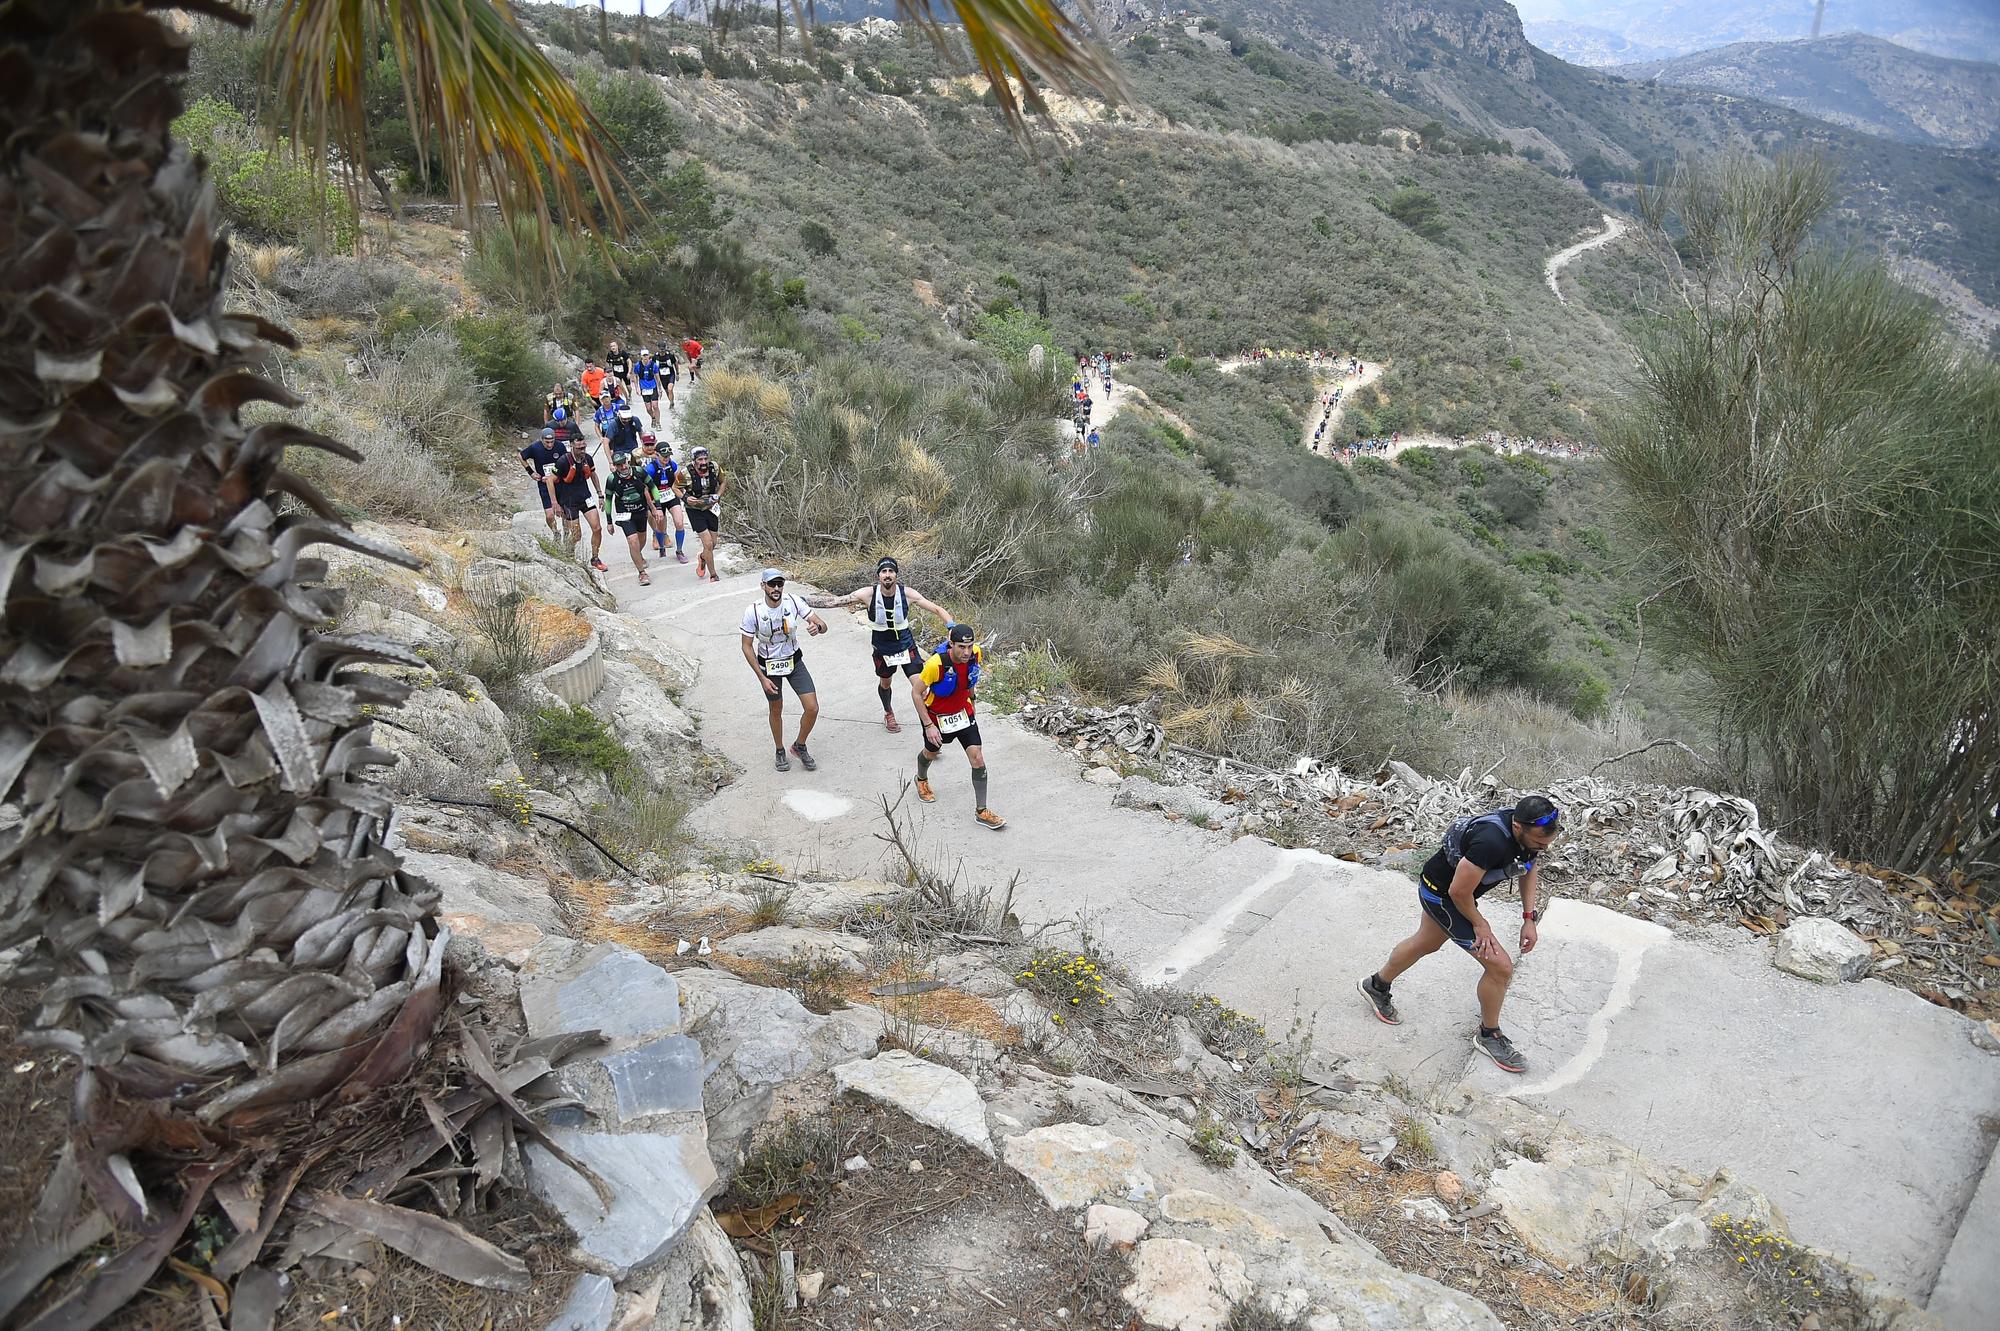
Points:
(773, 629)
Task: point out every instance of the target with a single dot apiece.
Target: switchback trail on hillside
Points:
(1856, 1107)
(1614, 227)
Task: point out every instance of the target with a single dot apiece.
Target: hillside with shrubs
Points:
(873, 256)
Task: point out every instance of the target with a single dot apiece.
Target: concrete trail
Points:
(1856, 1107)
(1614, 227)
(1349, 385)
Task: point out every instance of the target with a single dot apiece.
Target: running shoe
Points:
(600, 566)
(805, 759)
(1385, 1006)
(924, 791)
(890, 723)
(784, 763)
(679, 556)
(645, 579)
(715, 577)
(1501, 1050)
(991, 820)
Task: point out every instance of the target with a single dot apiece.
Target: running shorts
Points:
(701, 519)
(1444, 912)
(800, 679)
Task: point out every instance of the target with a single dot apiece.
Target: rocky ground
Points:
(840, 1102)
(752, 1097)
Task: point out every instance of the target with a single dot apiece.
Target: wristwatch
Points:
(1531, 916)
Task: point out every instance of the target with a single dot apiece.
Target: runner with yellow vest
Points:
(887, 602)
(947, 712)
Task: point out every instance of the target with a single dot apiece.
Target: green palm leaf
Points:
(512, 128)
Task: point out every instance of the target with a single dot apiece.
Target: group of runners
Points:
(1089, 369)
(641, 487)
(942, 680)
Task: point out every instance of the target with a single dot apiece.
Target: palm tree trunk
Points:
(196, 876)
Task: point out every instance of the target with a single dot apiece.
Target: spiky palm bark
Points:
(194, 870)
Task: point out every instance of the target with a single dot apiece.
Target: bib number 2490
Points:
(778, 666)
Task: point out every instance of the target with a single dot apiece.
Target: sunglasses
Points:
(1546, 818)
(775, 582)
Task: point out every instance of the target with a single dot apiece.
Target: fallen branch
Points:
(595, 843)
(1646, 748)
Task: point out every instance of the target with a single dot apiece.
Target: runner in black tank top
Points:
(887, 602)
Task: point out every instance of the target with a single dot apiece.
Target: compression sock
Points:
(923, 764)
(979, 787)
(888, 697)
(680, 538)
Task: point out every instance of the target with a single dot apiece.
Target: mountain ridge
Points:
(1852, 79)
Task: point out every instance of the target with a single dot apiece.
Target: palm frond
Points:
(512, 129)
(1014, 39)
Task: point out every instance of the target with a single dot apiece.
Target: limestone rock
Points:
(1184, 1286)
(758, 1042)
(1566, 1210)
(1814, 948)
(785, 942)
(705, 1288)
(1136, 792)
(471, 889)
(384, 621)
(1292, 1249)
(1102, 776)
(660, 1076)
(565, 585)
(648, 722)
(610, 989)
(839, 903)
(631, 640)
(443, 737)
(930, 1094)
(1449, 1188)
(588, 1307)
(1684, 1233)
(1113, 1227)
(658, 1183)
(1074, 1164)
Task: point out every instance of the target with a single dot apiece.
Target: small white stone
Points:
(854, 1164)
(1114, 1227)
(916, 1166)
(810, 1285)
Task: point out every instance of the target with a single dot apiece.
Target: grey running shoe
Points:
(784, 763)
(805, 759)
(1501, 1050)
(1385, 1006)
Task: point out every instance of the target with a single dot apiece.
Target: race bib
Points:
(590, 501)
(900, 658)
(950, 723)
(617, 514)
(777, 666)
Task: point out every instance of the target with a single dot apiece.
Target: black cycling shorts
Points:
(969, 737)
(701, 519)
(632, 524)
(1444, 912)
(574, 506)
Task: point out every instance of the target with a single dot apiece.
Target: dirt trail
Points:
(1349, 385)
(1613, 228)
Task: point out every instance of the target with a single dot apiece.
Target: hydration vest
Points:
(1454, 846)
(891, 615)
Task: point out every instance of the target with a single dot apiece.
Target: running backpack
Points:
(1454, 842)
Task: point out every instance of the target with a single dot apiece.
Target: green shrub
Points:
(505, 353)
(819, 241)
(413, 308)
(264, 189)
(1416, 209)
(573, 737)
(1012, 331)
